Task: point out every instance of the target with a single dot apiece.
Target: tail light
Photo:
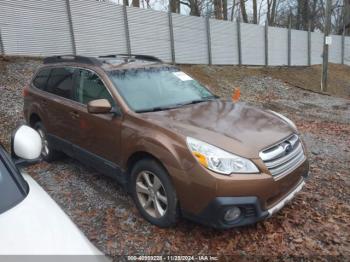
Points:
(26, 91)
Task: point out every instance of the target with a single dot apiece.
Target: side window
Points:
(61, 82)
(89, 87)
(40, 80)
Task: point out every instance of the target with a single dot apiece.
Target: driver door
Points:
(99, 140)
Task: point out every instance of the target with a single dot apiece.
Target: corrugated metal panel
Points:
(299, 48)
(34, 27)
(253, 44)
(335, 49)
(149, 33)
(278, 46)
(98, 27)
(223, 35)
(316, 48)
(190, 39)
(41, 27)
(347, 50)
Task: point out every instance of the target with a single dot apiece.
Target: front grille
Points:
(283, 158)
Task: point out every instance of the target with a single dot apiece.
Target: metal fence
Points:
(90, 27)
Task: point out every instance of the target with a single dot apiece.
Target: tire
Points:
(156, 200)
(48, 153)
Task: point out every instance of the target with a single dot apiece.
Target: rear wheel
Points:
(47, 152)
(153, 193)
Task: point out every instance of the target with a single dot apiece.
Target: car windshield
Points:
(155, 89)
(12, 186)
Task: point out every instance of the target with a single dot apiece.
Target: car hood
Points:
(236, 127)
(38, 226)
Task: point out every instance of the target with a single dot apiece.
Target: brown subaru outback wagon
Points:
(175, 146)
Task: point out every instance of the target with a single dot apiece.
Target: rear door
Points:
(34, 98)
(62, 120)
(99, 140)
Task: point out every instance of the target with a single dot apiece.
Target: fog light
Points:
(232, 214)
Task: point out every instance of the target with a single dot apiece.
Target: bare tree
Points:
(224, 9)
(303, 14)
(260, 10)
(244, 11)
(218, 9)
(255, 12)
(313, 14)
(174, 6)
(148, 5)
(346, 14)
(277, 12)
(195, 6)
(233, 9)
(271, 11)
(136, 3)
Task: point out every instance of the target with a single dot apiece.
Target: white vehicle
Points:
(31, 223)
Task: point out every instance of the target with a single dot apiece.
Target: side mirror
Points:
(26, 145)
(99, 106)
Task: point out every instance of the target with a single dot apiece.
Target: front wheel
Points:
(153, 193)
(47, 152)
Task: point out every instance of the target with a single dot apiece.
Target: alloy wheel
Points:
(45, 144)
(151, 194)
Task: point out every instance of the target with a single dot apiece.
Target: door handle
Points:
(74, 114)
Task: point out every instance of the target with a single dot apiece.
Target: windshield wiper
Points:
(155, 109)
(199, 100)
(161, 108)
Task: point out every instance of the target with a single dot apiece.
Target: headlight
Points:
(286, 119)
(219, 160)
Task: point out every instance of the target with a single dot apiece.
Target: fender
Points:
(163, 149)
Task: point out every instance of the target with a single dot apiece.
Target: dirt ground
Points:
(315, 225)
(302, 77)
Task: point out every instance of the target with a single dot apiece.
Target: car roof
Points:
(107, 62)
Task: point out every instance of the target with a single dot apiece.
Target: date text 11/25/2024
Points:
(173, 258)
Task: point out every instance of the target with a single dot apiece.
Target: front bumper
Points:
(285, 200)
(250, 206)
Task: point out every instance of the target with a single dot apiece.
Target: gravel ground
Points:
(315, 225)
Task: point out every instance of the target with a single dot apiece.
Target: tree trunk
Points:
(126, 2)
(243, 11)
(233, 9)
(218, 9)
(255, 12)
(304, 13)
(299, 15)
(224, 9)
(172, 6)
(136, 3)
(273, 13)
(313, 15)
(194, 5)
(347, 16)
(269, 10)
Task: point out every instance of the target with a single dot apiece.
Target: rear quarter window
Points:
(40, 80)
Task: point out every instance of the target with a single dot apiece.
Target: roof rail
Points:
(72, 58)
(133, 56)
